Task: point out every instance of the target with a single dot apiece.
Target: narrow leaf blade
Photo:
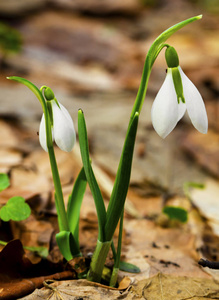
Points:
(95, 190)
(66, 244)
(122, 180)
(74, 204)
(127, 267)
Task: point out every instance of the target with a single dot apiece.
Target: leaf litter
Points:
(166, 247)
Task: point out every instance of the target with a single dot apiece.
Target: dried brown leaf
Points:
(204, 149)
(75, 289)
(19, 277)
(167, 287)
(8, 136)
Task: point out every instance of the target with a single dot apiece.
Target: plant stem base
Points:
(98, 261)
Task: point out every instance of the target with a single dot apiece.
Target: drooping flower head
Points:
(176, 95)
(63, 132)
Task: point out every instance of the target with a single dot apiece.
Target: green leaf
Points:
(4, 181)
(41, 251)
(122, 180)
(67, 245)
(176, 213)
(95, 190)
(74, 204)
(127, 267)
(16, 209)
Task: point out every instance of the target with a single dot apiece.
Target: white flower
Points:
(63, 131)
(166, 111)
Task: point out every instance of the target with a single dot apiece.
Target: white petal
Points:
(165, 110)
(181, 110)
(64, 132)
(194, 104)
(42, 134)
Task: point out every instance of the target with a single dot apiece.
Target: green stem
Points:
(98, 261)
(114, 275)
(62, 217)
(60, 206)
(59, 200)
(149, 61)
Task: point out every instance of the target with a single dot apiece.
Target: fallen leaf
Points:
(206, 200)
(8, 136)
(33, 232)
(75, 289)
(10, 157)
(204, 149)
(167, 287)
(155, 249)
(19, 277)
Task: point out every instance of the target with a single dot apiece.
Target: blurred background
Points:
(91, 53)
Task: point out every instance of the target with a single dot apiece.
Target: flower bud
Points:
(172, 58)
(48, 93)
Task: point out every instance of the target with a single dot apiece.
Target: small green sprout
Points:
(176, 213)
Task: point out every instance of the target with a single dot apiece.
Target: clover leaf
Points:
(15, 209)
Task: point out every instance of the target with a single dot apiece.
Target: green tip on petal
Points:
(177, 80)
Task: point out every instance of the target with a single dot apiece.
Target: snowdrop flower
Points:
(63, 132)
(176, 95)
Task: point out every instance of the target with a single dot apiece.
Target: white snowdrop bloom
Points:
(63, 132)
(168, 109)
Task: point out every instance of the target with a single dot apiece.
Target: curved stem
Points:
(149, 61)
(152, 54)
(62, 216)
